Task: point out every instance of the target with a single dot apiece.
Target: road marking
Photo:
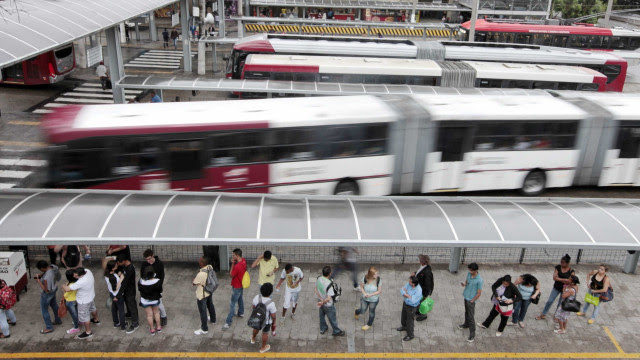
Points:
(92, 84)
(21, 143)
(42, 111)
(156, 62)
(53, 104)
(85, 95)
(6, 186)
(108, 91)
(21, 122)
(158, 56)
(22, 162)
(84, 101)
(613, 339)
(152, 66)
(150, 71)
(14, 174)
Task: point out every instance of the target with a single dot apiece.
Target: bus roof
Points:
(543, 54)
(484, 25)
(622, 107)
(471, 108)
(76, 122)
(578, 74)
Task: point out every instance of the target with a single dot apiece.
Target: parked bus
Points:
(47, 68)
(459, 74)
(612, 66)
(350, 145)
(566, 36)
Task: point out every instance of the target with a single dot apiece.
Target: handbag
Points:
(571, 305)
(592, 299)
(536, 299)
(608, 295)
(425, 306)
(62, 308)
(504, 309)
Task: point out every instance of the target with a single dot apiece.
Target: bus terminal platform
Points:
(613, 335)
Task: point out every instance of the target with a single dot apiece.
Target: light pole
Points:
(474, 15)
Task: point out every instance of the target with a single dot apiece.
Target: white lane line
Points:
(155, 62)
(99, 91)
(53, 104)
(152, 66)
(165, 52)
(98, 96)
(158, 56)
(6, 185)
(42, 111)
(22, 162)
(84, 101)
(92, 84)
(15, 174)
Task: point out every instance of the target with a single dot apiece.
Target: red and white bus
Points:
(458, 74)
(612, 66)
(371, 146)
(571, 36)
(47, 68)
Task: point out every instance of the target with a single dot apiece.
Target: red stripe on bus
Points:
(281, 68)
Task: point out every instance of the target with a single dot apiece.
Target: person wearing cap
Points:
(425, 279)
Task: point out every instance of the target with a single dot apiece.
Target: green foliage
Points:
(572, 9)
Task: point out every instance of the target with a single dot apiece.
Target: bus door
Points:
(560, 40)
(445, 166)
(185, 164)
(622, 162)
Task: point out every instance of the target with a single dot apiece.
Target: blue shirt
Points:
(415, 294)
(473, 286)
(156, 99)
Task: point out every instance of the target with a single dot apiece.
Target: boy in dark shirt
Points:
(127, 292)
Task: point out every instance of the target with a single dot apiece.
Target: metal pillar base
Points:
(454, 261)
(224, 257)
(631, 263)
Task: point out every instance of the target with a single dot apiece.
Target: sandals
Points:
(12, 323)
(3, 336)
(541, 317)
(265, 349)
(45, 331)
(253, 341)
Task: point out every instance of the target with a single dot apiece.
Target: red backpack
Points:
(7, 296)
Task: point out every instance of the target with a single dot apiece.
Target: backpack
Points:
(337, 291)
(72, 258)
(212, 281)
(8, 296)
(57, 276)
(259, 315)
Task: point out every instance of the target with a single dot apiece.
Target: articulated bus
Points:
(47, 68)
(459, 74)
(612, 66)
(371, 145)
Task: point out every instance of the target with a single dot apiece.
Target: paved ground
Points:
(435, 338)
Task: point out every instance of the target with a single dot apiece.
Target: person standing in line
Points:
(294, 277)
(127, 292)
(529, 288)
(569, 291)
(270, 319)
(425, 280)
(472, 291)
(70, 257)
(174, 38)
(101, 73)
(268, 266)
(53, 254)
(504, 294)
(7, 317)
(112, 253)
(87, 312)
(165, 38)
(412, 293)
(238, 268)
(349, 262)
(371, 287)
(597, 284)
(204, 298)
(114, 281)
(150, 288)
(154, 97)
(71, 303)
(326, 307)
(47, 282)
(561, 276)
(153, 262)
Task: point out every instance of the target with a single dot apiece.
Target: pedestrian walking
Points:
(269, 311)
(529, 288)
(293, 275)
(561, 277)
(411, 293)
(70, 301)
(268, 266)
(504, 296)
(349, 262)
(7, 301)
(472, 291)
(152, 261)
(150, 288)
(101, 73)
(570, 292)
(47, 281)
(326, 307)
(87, 311)
(114, 281)
(598, 283)
(204, 298)
(425, 280)
(238, 268)
(370, 287)
(165, 38)
(174, 38)
(127, 292)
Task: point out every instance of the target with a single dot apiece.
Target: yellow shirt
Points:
(267, 267)
(200, 281)
(70, 295)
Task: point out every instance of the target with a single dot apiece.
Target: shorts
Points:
(266, 328)
(147, 304)
(290, 297)
(85, 310)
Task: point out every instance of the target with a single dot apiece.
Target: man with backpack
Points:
(263, 316)
(152, 261)
(7, 300)
(127, 292)
(47, 280)
(206, 283)
(327, 294)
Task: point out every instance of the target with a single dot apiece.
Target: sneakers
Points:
(163, 321)
(116, 325)
(126, 325)
(322, 332)
(366, 327)
(95, 322)
(201, 332)
(580, 313)
(511, 323)
(158, 330)
(356, 315)
(84, 335)
(591, 321)
(521, 324)
(225, 327)
(481, 325)
(152, 332)
(132, 328)
(471, 339)
(356, 289)
(462, 326)
(293, 316)
(252, 340)
(407, 338)
(240, 315)
(73, 331)
(282, 321)
(498, 333)
(341, 333)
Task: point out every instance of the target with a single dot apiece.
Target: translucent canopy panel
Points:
(31, 27)
(32, 216)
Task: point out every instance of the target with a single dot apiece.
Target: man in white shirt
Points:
(294, 276)
(270, 320)
(87, 312)
(101, 72)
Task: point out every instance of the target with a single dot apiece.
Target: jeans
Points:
(520, 311)
(236, 297)
(203, 305)
(330, 312)
(372, 309)
(408, 318)
(4, 325)
(163, 312)
(130, 301)
(117, 312)
(46, 300)
(175, 43)
(469, 317)
(492, 315)
(552, 296)
(596, 308)
(350, 266)
(72, 309)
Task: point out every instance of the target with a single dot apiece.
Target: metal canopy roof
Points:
(358, 4)
(299, 87)
(30, 27)
(101, 217)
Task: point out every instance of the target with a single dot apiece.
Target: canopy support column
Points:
(631, 262)
(221, 24)
(116, 67)
(224, 258)
(201, 57)
(186, 38)
(152, 27)
(454, 261)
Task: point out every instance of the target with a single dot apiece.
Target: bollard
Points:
(631, 262)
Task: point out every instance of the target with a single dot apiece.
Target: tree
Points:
(572, 9)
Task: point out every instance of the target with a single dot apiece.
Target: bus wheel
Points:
(346, 187)
(534, 184)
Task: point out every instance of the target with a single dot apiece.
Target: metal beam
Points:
(116, 66)
(186, 35)
(152, 27)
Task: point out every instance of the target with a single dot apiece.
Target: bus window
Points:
(344, 141)
(481, 36)
(185, 159)
(544, 85)
(628, 142)
(332, 78)
(452, 143)
(588, 87)
(634, 43)
(598, 42)
(523, 38)
(498, 136)
(579, 41)
(353, 78)
(13, 72)
(567, 86)
(564, 135)
(258, 75)
(389, 79)
(507, 37)
(560, 40)
(375, 142)
(488, 83)
(618, 42)
(295, 145)
(87, 164)
(610, 71)
(135, 155)
(542, 39)
(281, 76)
(518, 84)
(308, 77)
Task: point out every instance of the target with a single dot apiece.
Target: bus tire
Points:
(534, 183)
(347, 187)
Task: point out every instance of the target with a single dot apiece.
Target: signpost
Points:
(94, 55)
